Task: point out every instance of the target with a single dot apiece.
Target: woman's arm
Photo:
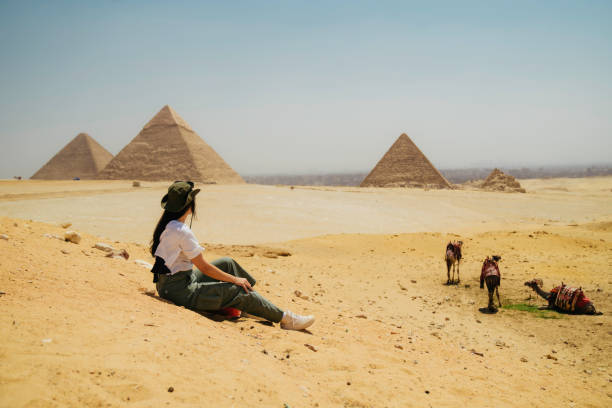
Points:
(216, 273)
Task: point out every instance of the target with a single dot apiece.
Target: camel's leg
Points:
(458, 278)
(490, 299)
(497, 293)
(448, 266)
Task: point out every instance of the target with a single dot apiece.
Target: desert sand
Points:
(79, 329)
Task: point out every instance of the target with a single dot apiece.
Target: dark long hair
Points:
(166, 217)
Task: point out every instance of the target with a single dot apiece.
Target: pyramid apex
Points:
(167, 117)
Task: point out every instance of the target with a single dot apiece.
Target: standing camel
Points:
(564, 298)
(453, 258)
(491, 275)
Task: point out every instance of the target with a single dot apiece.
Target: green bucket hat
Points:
(180, 195)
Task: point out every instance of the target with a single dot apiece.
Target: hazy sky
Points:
(312, 86)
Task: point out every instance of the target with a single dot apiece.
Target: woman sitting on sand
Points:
(218, 286)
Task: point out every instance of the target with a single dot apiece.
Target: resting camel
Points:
(564, 298)
(491, 275)
(453, 258)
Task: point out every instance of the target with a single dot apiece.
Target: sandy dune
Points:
(79, 329)
(250, 214)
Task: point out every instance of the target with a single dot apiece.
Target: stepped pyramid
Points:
(404, 165)
(83, 157)
(167, 149)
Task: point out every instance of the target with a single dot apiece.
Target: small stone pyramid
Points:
(83, 157)
(167, 149)
(404, 165)
(500, 181)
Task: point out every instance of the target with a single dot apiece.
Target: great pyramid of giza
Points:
(83, 157)
(404, 165)
(168, 149)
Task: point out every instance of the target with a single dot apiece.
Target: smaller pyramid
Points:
(166, 149)
(83, 157)
(500, 181)
(404, 165)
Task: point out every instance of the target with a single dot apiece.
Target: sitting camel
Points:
(564, 298)
(453, 258)
(491, 275)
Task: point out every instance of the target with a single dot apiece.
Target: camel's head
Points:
(496, 258)
(459, 243)
(590, 309)
(534, 283)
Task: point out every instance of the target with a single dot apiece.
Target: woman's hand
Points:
(242, 282)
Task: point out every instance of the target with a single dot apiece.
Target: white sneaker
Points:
(292, 321)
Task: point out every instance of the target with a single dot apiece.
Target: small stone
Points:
(297, 293)
(142, 263)
(135, 183)
(123, 254)
(53, 236)
(47, 340)
(103, 247)
(361, 316)
(3, 236)
(72, 236)
(63, 251)
(524, 359)
(65, 225)
(348, 383)
(170, 389)
(311, 347)
(413, 281)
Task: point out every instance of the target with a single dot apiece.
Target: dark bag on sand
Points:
(159, 268)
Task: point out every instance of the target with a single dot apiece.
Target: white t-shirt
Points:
(177, 247)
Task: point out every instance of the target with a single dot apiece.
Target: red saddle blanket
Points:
(489, 268)
(568, 298)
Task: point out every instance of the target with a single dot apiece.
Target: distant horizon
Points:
(310, 87)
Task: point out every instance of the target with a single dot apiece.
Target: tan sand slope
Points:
(167, 148)
(248, 214)
(78, 329)
(404, 165)
(83, 157)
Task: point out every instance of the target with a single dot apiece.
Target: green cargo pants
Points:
(199, 292)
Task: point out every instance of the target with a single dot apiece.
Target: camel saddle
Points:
(489, 268)
(455, 249)
(567, 297)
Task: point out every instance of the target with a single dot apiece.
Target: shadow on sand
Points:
(219, 317)
(487, 310)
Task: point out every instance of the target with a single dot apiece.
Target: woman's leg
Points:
(210, 296)
(228, 265)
